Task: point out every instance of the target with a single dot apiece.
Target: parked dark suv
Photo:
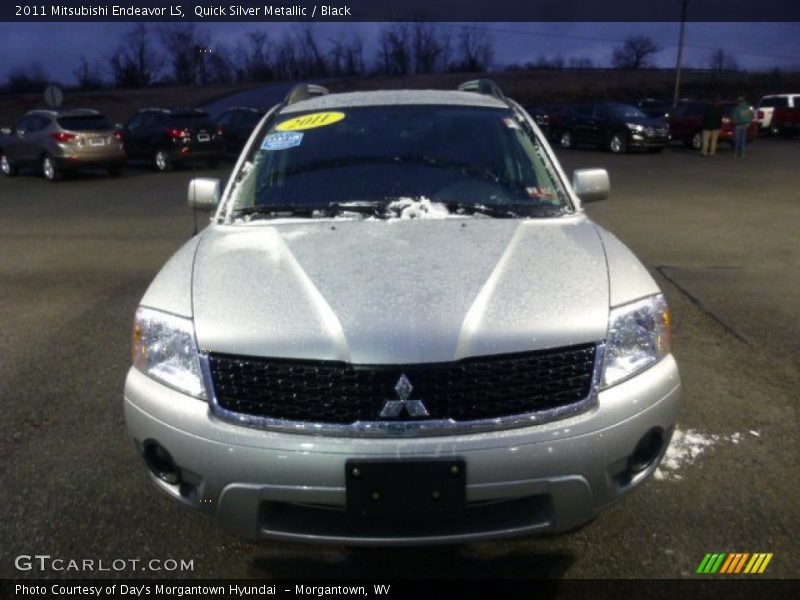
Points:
(234, 127)
(617, 127)
(170, 137)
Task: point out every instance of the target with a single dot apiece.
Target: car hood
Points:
(398, 292)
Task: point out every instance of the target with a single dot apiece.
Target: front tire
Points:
(566, 140)
(50, 170)
(618, 144)
(115, 171)
(162, 161)
(697, 141)
(6, 166)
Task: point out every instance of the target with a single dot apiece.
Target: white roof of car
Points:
(394, 97)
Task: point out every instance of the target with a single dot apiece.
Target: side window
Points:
(226, 119)
(23, 124)
(136, 122)
(38, 123)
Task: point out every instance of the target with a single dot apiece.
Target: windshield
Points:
(85, 123)
(624, 111)
(457, 159)
(191, 119)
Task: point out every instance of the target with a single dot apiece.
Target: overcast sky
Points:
(755, 46)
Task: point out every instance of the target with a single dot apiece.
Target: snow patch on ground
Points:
(686, 447)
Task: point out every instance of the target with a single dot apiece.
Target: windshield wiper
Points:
(505, 211)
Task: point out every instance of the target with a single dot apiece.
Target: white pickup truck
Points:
(768, 104)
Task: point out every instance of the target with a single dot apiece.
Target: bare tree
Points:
(136, 63)
(635, 52)
(394, 48)
(346, 58)
(429, 48)
(310, 56)
(257, 57)
(27, 79)
(475, 49)
(88, 76)
(580, 62)
(719, 61)
(187, 47)
(220, 67)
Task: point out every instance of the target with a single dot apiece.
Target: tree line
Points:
(187, 54)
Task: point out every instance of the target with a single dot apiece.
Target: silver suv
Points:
(401, 328)
(58, 142)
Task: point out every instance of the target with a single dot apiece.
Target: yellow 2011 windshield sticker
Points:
(320, 119)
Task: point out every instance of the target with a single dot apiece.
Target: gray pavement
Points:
(720, 235)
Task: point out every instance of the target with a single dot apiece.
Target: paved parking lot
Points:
(720, 235)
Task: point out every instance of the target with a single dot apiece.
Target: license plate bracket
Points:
(400, 489)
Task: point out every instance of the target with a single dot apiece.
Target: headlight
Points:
(635, 127)
(164, 348)
(638, 337)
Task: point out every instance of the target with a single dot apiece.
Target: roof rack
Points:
(482, 86)
(304, 91)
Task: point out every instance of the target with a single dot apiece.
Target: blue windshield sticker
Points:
(282, 140)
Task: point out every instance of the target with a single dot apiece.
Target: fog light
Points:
(160, 462)
(647, 450)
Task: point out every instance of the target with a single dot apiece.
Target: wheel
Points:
(8, 169)
(50, 170)
(618, 143)
(162, 161)
(565, 140)
(697, 141)
(658, 150)
(774, 130)
(115, 171)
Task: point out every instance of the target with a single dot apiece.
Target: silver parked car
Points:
(57, 142)
(401, 328)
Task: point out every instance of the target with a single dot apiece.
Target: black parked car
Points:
(617, 127)
(234, 127)
(170, 137)
(540, 117)
(657, 109)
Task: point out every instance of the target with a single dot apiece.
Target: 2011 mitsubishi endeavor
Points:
(401, 327)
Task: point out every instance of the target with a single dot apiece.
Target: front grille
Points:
(332, 392)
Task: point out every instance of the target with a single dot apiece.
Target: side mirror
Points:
(591, 185)
(204, 193)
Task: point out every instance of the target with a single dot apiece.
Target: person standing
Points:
(712, 124)
(741, 115)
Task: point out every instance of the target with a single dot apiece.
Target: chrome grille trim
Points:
(393, 429)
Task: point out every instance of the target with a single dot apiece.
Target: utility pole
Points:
(680, 55)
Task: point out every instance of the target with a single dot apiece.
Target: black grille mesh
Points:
(342, 393)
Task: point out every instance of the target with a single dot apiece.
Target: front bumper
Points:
(548, 478)
(636, 140)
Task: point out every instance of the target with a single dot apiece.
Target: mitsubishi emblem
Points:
(393, 408)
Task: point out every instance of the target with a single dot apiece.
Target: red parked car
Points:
(686, 123)
(786, 121)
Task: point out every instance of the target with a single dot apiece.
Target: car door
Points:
(600, 125)
(134, 136)
(15, 149)
(578, 123)
(38, 137)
